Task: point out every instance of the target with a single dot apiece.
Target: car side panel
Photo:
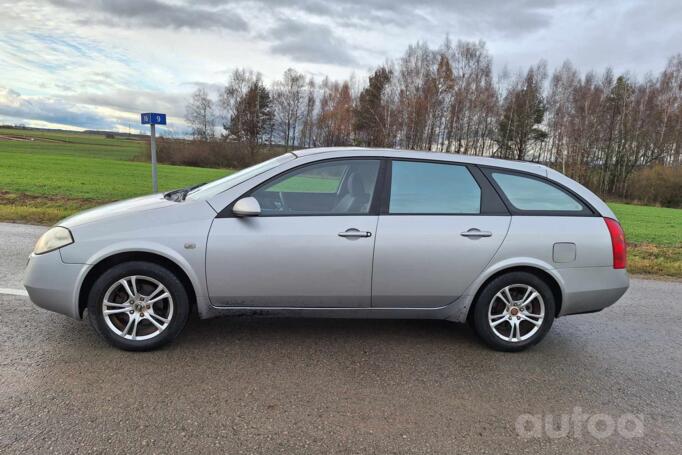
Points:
(423, 261)
(536, 236)
(290, 261)
(588, 289)
(588, 283)
(177, 233)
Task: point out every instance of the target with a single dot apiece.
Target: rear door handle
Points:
(354, 233)
(475, 233)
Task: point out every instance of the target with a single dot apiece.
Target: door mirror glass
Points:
(247, 206)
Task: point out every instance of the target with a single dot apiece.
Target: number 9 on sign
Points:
(153, 118)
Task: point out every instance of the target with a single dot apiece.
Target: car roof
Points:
(433, 156)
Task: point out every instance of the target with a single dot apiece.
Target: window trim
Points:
(373, 206)
(587, 209)
(491, 203)
(493, 200)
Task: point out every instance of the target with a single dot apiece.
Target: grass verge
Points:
(654, 236)
(45, 210)
(649, 259)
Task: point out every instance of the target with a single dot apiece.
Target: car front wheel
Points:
(138, 306)
(514, 311)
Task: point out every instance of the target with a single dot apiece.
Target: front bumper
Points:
(52, 284)
(589, 289)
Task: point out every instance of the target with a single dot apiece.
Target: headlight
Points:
(56, 237)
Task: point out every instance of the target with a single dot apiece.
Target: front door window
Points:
(344, 187)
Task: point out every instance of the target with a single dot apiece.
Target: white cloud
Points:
(100, 62)
(48, 110)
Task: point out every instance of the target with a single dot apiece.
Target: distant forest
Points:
(619, 134)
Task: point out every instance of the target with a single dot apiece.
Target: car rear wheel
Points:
(138, 306)
(514, 311)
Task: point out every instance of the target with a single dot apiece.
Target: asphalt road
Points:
(338, 386)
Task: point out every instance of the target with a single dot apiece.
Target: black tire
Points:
(485, 300)
(179, 303)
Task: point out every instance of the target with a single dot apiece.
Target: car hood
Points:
(125, 207)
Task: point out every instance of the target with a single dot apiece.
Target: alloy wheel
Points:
(137, 307)
(516, 313)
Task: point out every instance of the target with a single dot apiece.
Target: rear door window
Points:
(433, 189)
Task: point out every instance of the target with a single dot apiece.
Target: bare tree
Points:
(599, 128)
(200, 115)
(240, 81)
(335, 116)
(288, 97)
(523, 113)
(307, 136)
(251, 123)
(372, 114)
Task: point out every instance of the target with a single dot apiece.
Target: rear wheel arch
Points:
(542, 274)
(128, 256)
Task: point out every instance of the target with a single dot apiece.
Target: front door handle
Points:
(475, 233)
(353, 233)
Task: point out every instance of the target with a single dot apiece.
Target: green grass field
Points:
(654, 236)
(59, 173)
(67, 143)
(91, 178)
(644, 224)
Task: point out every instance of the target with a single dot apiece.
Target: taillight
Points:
(620, 250)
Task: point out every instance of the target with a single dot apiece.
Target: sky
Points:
(97, 64)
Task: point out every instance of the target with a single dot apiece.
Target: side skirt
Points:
(449, 311)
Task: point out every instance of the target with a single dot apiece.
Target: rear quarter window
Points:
(534, 195)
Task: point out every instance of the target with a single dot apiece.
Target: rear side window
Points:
(531, 194)
(432, 188)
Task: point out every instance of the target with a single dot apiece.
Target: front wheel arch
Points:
(543, 275)
(129, 256)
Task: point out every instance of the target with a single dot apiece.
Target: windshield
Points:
(225, 183)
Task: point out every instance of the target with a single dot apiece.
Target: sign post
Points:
(152, 119)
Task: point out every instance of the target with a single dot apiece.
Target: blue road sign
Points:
(152, 118)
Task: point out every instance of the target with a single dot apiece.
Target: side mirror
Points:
(247, 206)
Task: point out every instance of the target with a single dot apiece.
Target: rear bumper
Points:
(51, 284)
(589, 289)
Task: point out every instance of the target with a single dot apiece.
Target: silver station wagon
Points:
(343, 233)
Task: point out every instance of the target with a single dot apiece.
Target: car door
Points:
(442, 225)
(311, 246)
